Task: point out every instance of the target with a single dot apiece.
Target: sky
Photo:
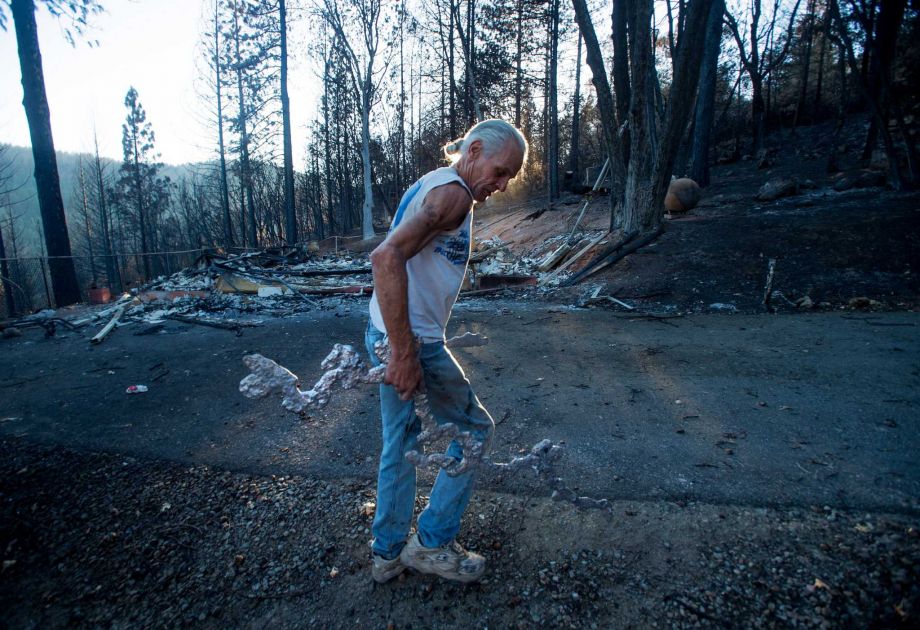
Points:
(150, 44)
(154, 46)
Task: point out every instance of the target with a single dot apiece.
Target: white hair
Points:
(493, 134)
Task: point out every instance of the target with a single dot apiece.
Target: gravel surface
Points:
(93, 539)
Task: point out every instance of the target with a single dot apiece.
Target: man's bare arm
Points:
(444, 208)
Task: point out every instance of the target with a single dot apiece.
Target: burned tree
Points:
(698, 169)
(356, 26)
(35, 101)
(880, 38)
(758, 57)
(140, 185)
(645, 164)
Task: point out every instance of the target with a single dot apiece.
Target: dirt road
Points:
(759, 410)
(722, 440)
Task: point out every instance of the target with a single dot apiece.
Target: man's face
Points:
(490, 173)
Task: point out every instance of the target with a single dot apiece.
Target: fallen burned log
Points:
(124, 300)
(233, 325)
(480, 256)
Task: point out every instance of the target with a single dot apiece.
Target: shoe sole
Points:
(426, 566)
(385, 576)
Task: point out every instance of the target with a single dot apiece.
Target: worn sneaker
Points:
(384, 570)
(451, 562)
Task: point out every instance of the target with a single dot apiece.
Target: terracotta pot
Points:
(100, 296)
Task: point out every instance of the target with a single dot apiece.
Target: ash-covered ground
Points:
(761, 468)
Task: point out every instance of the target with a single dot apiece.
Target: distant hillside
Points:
(25, 200)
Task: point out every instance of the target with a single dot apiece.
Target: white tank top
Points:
(437, 271)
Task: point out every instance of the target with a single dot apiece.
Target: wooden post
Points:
(45, 282)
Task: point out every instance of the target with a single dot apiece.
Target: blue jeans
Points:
(451, 400)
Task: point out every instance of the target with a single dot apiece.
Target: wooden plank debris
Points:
(102, 334)
(553, 258)
(572, 259)
(360, 289)
(600, 257)
(233, 283)
(478, 257)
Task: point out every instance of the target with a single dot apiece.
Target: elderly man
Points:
(418, 270)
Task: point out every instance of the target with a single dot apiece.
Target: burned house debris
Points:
(234, 291)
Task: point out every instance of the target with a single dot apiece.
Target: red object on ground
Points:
(100, 296)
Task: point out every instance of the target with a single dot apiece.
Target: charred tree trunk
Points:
(552, 171)
(705, 100)
(327, 148)
(401, 110)
(889, 22)
(843, 96)
(112, 269)
(640, 184)
(806, 63)
(621, 84)
(218, 87)
(576, 113)
(246, 196)
(87, 225)
(140, 205)
(605, 105)
(518, 65)
(8, 295)
(290, 213)
(819, 81)
(367, 210)
(649, 174)
(452, 122)
(758, 111)
(47, 183)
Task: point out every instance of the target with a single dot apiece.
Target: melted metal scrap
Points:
(345, 367)
(542, 459)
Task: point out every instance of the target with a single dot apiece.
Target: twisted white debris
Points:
(344, 366)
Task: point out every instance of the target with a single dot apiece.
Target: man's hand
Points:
(404, 375)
